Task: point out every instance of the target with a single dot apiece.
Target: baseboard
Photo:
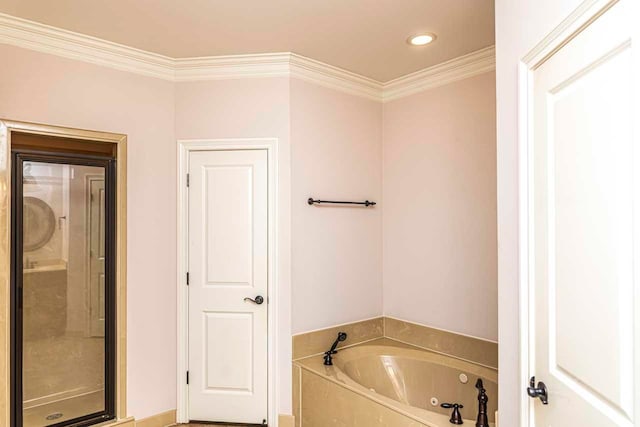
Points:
(159, 420)
(286, 420)
(125, 422)
(168, 418)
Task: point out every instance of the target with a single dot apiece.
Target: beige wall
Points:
(331, 147)
(248, 108)
(42, 88)
(520, 25)
(439, 209)
(336, 251)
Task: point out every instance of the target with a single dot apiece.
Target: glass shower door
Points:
(65, 297)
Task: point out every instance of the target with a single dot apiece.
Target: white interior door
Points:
(228, 250)
(586, 228)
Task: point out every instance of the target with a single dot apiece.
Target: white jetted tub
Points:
(403, 379)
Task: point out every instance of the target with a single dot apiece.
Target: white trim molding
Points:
(68, 44)
(232, 67)
(56, 41)
(335, 78)
(275, 65)
(460, 68)
(276, 279)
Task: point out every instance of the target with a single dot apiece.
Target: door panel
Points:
(228, 263)
(229, 233)
(585, 221)
(229, 368)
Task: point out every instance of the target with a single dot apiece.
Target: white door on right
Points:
(585, 264)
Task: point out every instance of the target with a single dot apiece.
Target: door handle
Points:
(258, 300)
(539, 391)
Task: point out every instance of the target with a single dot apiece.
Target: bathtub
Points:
(388, 383)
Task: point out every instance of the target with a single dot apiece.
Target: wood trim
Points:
(7, 127)
(286, 420)
(163, 419)
(54, 144)
(124, 422)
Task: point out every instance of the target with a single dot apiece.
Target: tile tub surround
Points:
(475, 350)
(329, 395)
(317, 342)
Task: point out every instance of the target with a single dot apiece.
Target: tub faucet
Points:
(328, 355)
(456, 417)
(482, 420)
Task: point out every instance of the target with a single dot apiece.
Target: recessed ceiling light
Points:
(421, 39)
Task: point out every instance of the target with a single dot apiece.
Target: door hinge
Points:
(187, 278)
(187, 180)
(187, 377)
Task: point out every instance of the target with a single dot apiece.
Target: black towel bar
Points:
(312, 201)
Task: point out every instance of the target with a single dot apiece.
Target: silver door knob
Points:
(258, 300)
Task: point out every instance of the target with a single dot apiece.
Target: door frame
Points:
(185, 147)
(7, 128)
(575, 23)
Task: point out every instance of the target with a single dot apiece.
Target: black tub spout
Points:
(328, 355)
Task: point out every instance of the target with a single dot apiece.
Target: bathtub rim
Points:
(403, 344)
(313, 364)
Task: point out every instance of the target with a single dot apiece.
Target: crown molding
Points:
(335, 78)
(462, 67)
(47, 39)
(44, 38)
(276, 64)
(232, 67)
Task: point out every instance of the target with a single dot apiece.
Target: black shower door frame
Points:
(20, 156)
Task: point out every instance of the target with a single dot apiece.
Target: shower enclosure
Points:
(63, 285)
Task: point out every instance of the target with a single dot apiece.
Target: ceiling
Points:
(367, 37)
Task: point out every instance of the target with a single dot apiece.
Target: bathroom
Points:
(361, 253)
